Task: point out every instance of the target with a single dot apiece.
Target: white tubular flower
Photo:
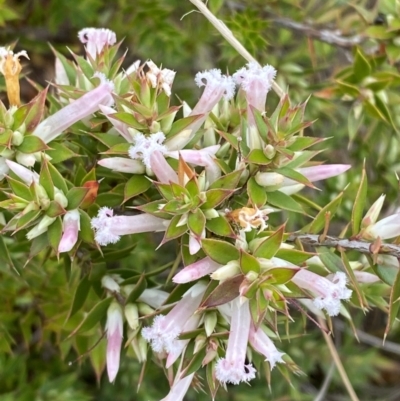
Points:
(163, 334)
(96, 39)
(123, 165)
(329, 291)
(256, 81)
(109, 228)
(87, 104)
(114, 328)
(144, 146)
(389, 227)
(233, 368)
(71, 227)
(264, 346)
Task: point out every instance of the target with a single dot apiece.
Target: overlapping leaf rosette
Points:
(207, 178)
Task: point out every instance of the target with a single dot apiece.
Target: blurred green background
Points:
(345, 54)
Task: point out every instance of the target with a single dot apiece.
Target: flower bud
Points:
(17, 138)
(42, 197)
(145, 309)
(372, 215)
(199, 343)
(40, 228)
(155, 127)
(26, 159)
(269, 151)
(110, 284)
(231, 269)
(132, 315)
(210, 321)
(210, 214)
(60, 198)
(270, 180)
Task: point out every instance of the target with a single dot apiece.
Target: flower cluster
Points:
(214, 180)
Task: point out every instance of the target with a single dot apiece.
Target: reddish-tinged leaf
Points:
(225, 292)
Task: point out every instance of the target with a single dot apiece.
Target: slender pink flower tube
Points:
(109, 228)
(163, 334)
(114, 328)
(256, 81)
(179, 389)
(96, 39)
(190, 325)
(71, 227)
(289, 186)
(329, 291)
(163, 171)
(121, 127)
(123, 165)
(232, 368)
(216, 86)
(22, 172)
(196, 270)
(53, 126)
(389, 227)
(264, 346)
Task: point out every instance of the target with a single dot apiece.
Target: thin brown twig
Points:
(348, 244)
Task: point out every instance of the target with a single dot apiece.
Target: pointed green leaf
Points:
(283, 201)
(228, 181)
(137, 291)
(135, 186)
(96, 314)
(32, 144)
(80, 295)
(55, 209)
(173, 231)
(220, 226)
(321, 219)
(220, 251)
(54, 233)
(359, 203)
(268, 248)
(76, 196)
(45, 179)
(257, 193)
(248, 263)
(196, 222)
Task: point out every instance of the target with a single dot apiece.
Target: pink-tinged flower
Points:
(389, 227)
(365, 277)
(153, 297)
(372, 215)
(256, 81)
(144, 146)
(264, 346)
(329, 291)
(196, 270)
(179, 346)
(179, 388)
(96, 39)
(276, 181)
(109, 228)
(216, 86)
(121, 127)
(123, 165)
(4, 169)
(26, 175)
(163, 171)
(163, 334)
(203, 157)
(71, 227)
(232, 368)
(162, 78)
(114, 328)
(86, 105)
(61, 77)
